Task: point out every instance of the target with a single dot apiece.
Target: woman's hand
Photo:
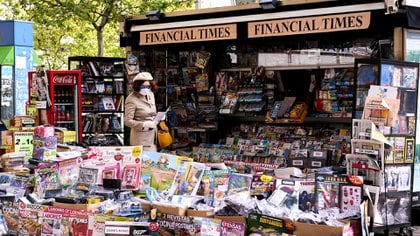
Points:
(149, 125)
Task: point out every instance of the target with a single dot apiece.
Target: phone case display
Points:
(102, 99)
(389, 91)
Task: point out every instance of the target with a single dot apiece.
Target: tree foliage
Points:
(79, 27)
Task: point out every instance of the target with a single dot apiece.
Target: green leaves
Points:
(92, 25)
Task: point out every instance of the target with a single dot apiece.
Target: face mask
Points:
(144, 91)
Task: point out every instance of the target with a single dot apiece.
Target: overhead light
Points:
(154, 15)
(268, 4)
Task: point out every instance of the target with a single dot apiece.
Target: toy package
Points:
(130, 176)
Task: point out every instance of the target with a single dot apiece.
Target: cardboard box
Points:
(305, 229)
(83, 207)
(65, 136)
(238, 219)
(173, 210)
(201, 213)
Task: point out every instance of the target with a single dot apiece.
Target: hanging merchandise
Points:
(39, 90)
(203, 58)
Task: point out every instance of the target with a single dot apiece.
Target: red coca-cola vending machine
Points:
(66, 102)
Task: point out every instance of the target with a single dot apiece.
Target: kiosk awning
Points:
(260, 17)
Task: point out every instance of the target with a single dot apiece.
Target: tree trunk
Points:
(100, 37)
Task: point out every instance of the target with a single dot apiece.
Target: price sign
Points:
(24, 143)
(31, 110)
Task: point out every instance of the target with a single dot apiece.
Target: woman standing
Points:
(140, 112)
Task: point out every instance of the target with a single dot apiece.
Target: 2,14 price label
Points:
(24, 143)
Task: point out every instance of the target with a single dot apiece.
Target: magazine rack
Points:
(393, 209)
(102, 98)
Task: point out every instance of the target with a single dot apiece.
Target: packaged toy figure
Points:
(130, 178)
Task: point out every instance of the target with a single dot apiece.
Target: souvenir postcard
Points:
(158, 169)
(409, 150)
(409, 78)
(398, 178)
(367, 74)
(399, 149)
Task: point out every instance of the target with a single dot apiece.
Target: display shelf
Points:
(399, 78)
(291, 67)
(64, 104)
(103, 84)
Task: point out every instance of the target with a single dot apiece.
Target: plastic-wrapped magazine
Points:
(187, 179)
(207, 226)
(214, 185)
(239, 183)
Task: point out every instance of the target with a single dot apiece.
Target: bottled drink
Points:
(68, 115)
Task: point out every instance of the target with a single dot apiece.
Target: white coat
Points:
(138, 109)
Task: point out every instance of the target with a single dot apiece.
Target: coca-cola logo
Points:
(64, 79)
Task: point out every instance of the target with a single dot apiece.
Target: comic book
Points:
(187, 179)
(158, 170)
